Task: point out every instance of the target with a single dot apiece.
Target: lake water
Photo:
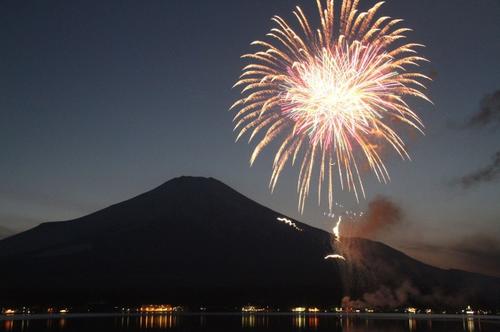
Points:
(248, 323)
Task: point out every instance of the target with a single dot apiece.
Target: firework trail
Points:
(336, 234)
(336, 229)
(330, 96)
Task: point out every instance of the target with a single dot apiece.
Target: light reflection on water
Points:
(162, 322)
(299, 321)
(412, 324)
(470, 325)
(252, 321)
(247, 322)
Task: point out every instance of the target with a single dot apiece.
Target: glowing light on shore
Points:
(153, 308)
(331, 96)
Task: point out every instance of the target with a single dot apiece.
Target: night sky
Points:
(103, 100)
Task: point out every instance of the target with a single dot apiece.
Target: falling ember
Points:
(331, 96)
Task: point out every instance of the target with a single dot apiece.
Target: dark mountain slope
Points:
(196, 240)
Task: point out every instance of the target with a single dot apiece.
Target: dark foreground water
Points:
(249, 323)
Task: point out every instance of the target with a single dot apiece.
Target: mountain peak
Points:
(190, 187)
(189, 181)
(191, 178)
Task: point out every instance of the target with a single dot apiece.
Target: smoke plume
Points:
(384, 297)
(489, 112)
(479, 252)
(486, 174)
(382, 215)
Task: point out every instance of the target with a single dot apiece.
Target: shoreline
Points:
(395, 316)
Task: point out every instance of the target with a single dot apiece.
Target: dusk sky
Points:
(103, 100)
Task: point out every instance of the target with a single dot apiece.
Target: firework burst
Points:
(330, 96)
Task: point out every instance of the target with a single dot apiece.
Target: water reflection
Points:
(8, 325)
(349, 323)
(469, 324)
(166, 321)
(248, 321)
(345, 323)
(24, 324)
(356, 324)
(62, 323)
(125, 321)
(412, 324)
(299, 321)
(251, 321)
(309, 321)
(313, 322)
(15, 325)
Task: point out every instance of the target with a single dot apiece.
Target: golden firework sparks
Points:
(330, 96)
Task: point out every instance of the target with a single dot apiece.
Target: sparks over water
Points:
(331, 96)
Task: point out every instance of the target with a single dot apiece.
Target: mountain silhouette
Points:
(5, 232)
(196, 241)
